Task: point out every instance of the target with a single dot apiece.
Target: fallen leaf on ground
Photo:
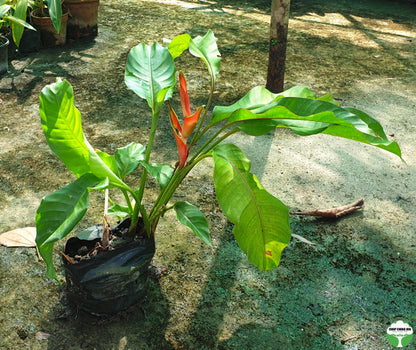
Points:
(334, 213)
(42, 335)
(20, 237)
(303, 239)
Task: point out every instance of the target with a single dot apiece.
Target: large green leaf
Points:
(128, 158)
(261, 111)
(161, 172)
(55, 13)
(61, 123)
(121, 211)
(4, 9)
(179, 44)
(109, 160)
(19, 21)
(150, 73)
(206, 48)
(58, 213)
(191, 216)
(102, 170)
(258, 100)
(261, 221)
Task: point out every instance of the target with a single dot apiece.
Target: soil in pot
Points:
(4, 48)
(83, 18)
(104, 282)
(48, 34)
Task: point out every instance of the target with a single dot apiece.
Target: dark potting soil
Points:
(77, 249)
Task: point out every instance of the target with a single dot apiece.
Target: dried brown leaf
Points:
(42, 335)
(334, 213)
(20, 237)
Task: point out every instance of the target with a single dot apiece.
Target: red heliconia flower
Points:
(189, 121)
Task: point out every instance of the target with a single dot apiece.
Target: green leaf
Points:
(91, 233)
(58, 213)
(189, 215)
(102, 170)
(161, 172)
(55, 13)
(260, 111)
(61, 123)
(102, 185)
(19, 20)
(4, 9)
(329, 98)
(279, 116)
(108, 160)
(255, 98)
(298, 91)
(347, 123)
(206, 48)
(261, 221)
(179, 44)
(128, 158)
(259, 100)
(163, 95)
(150, 70)
(119, 210)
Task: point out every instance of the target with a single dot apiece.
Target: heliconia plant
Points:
(261, 221)
(189, 121)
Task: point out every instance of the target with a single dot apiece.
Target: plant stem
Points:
(138, 206)
(105, 239)
(211, 146)
(159, 200)
(128, 201)
(180, 174)
(171, 187)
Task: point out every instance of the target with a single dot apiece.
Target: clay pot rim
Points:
(65, 13)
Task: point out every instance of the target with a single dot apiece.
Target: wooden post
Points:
(279, 23)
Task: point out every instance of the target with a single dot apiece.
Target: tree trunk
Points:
(278, 38)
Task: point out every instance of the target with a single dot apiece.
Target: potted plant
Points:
(261, 221)
(51, 20)
(12, 23)
(83, 18)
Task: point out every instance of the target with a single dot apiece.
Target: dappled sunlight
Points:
(354, 29)
(335, 19)
(387, 26)
(347, 33)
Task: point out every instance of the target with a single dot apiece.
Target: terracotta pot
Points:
(48, 35)
(4, 58)
(83, 18)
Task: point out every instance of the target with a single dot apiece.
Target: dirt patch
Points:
(342, 293)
